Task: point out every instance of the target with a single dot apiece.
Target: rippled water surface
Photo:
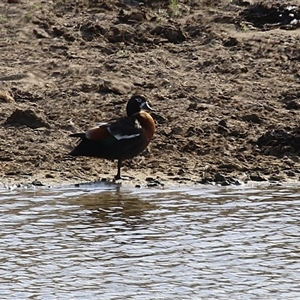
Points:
(109, 242)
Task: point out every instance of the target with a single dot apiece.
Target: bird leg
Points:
(118, 176)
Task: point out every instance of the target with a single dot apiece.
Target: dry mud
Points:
(223, 77)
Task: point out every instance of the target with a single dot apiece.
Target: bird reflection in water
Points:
(116, 207)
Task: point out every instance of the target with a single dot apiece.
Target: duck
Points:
(119, 139)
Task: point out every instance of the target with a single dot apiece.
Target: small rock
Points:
(230, 42)
(49, 176)
(206, 180)
(275, 178)
(173, 34)
(290, 173)
(275, 151)
(153, 182)
(130, 17)
(115, 86)
(257, 178)
(69, 37)
(6, 97)
(12, 172)
(180, 172)
(219, 178)
(40, 33)
(28, 118)
(158, 118)
(58, 31)
(177, 130)
(254, 118)
(222, 127)
(121, 33)
(149, 179)
(225, 183)
(293, 104)
(37, 183)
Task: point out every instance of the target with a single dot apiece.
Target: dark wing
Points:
(123, 128)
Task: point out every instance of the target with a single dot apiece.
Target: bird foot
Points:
(118, 177)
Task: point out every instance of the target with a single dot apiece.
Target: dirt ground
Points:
(223, 77)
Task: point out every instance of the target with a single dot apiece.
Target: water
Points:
(111, 242)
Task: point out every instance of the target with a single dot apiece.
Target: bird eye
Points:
(138, 100)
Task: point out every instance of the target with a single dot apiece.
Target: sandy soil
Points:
(224, 82)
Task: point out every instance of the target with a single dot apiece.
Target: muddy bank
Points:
(222, 76)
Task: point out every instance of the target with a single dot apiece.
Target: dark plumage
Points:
(121, 138)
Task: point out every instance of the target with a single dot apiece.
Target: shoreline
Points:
(140, 182)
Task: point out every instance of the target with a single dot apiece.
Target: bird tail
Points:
(80, 135)
(85, 147)
(77, 150)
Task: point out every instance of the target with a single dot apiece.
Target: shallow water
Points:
(111, 242)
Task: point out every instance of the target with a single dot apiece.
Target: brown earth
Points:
(223, 77)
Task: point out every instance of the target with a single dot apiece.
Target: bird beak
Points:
(146, 106)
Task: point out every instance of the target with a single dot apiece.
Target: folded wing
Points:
(121, 129)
